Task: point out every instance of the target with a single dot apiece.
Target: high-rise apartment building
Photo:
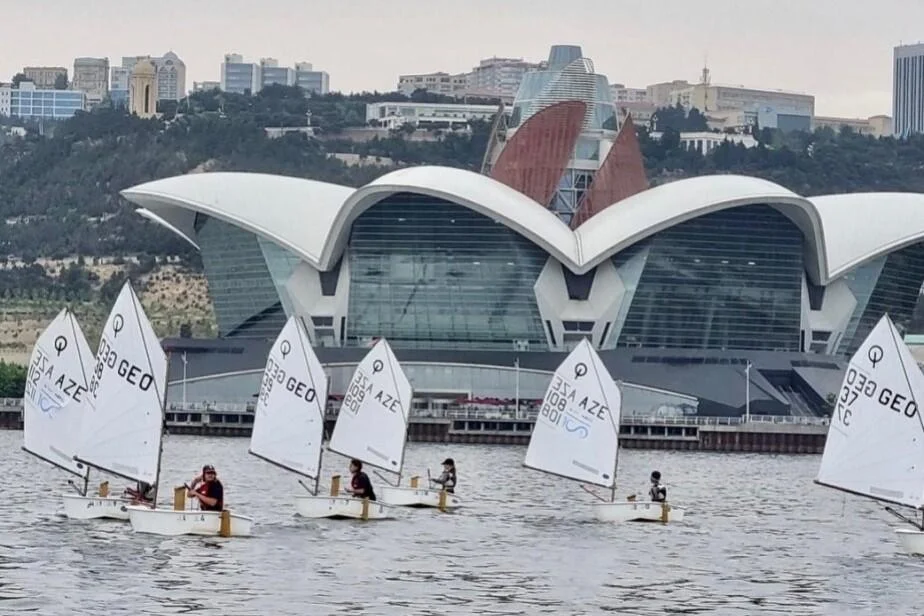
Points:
(908, 90)
(437, 83)
(310, 80)
(271, 73)
(500, 77)
(44, 77)
(238, 76)
(91, 76)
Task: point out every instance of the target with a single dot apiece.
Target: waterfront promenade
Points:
(491, 425)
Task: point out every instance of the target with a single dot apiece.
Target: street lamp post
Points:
(184, 379)
(747, 393)
(516, 412)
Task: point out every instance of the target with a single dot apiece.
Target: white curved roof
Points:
(313, 219)
(862, 226)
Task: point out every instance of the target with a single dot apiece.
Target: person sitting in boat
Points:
(207, 490)
(448, 478)
(142, 493)
(360, 486)
(658, 492)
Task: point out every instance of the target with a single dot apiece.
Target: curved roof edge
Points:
(471, 190)
(642, 215)
(188, 234)
(260, 203)
(861, 227)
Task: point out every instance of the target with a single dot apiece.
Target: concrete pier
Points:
(762, 434)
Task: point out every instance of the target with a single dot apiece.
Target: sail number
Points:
(277, 374)
(564, 393)
(360, 387)
(857, 384)
(44, 366)
(107, 358)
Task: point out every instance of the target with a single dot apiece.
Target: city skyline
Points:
(629, 43)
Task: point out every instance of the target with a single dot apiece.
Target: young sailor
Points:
(360, 486)
(658, 492)
(210, 493)
(448, 478)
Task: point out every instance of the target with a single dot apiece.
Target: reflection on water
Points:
(759, 537)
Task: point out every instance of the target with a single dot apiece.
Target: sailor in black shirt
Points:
(360, 486)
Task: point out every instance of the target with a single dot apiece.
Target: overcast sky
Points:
(838, 50)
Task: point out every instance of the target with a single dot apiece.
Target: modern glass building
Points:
(30, 103)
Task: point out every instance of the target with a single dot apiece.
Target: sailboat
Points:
(123, 432)
(576, 436)
(288, 425)
(875, 443)
(54, 406)
(371, 427)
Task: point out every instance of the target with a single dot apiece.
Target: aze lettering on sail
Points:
(363, 387)
(576, 434)
(569, 408)
(48, 385)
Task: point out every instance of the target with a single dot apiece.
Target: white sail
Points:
(123, 430)
(875, 444)
(577, 430)
(372, 424)
(288, 425)
(56, 396)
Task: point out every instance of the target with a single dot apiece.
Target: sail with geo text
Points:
(56, 397)
(288, 423)
(576, 434)
(124, 426)
(875, 443)
(372, 422)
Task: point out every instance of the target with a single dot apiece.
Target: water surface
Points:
(759, 537)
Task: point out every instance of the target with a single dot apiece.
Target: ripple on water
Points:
(759, 537)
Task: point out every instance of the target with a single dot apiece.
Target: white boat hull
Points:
(172, 523)
(637, 511)
(340, 507)
(416, 497)
(78, 507)
(912, 541)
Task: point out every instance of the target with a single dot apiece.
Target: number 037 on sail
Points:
(875, 444)
(576, 436)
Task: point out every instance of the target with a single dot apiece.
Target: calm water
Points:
(759, 537)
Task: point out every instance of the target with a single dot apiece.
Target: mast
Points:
(163, 397)
(73, 320)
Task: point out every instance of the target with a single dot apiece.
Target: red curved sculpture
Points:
(621, 175)
(535, 158)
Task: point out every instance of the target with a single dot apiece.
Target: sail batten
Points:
(124, 427)
(56, 403)
(372, 423)
(289, 418)
(875, 443)
(576, 434)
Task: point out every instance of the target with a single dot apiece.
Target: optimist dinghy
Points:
(54, 407)
(576, 436)
(288, 425)
(875, 444)
(124, 432)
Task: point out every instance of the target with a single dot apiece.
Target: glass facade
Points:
(426, 273)
(240, 285)
(897, 291)
(48, 104)
(727, 280)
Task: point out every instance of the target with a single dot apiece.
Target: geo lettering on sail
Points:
(107, 359)
(276, 374)
(857, 384)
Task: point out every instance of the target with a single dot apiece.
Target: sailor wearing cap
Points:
(448, 478)
(207, 490)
